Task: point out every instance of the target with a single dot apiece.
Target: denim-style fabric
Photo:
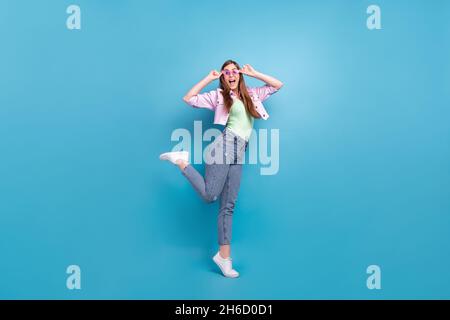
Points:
(222, 178)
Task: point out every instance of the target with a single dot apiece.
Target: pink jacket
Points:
(213, 100)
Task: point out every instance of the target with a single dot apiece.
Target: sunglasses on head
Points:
(229, 72)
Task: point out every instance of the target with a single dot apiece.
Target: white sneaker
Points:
(174, 156)
(226, 266)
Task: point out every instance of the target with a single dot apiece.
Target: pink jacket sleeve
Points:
(206, 100)
(264, 92)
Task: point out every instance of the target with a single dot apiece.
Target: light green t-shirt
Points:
(239, 120)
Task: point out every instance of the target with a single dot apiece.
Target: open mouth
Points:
(232, 82)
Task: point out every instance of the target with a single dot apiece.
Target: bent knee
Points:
(210, 197)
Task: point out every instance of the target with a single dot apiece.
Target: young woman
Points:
(235, 106)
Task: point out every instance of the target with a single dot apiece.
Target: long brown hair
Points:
(243, 93)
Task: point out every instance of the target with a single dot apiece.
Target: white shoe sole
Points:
(184, 155)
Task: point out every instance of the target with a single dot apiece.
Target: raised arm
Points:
(271, 81)
(195, 90)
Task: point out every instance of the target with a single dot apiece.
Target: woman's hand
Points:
(248, 70)
(271, 81)
(213, 75)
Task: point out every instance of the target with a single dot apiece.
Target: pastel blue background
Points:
(364, 150)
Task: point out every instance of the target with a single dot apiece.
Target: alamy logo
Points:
(74, 279)
(374, 20)
(374, 280)
(73, 21)
(258, 147)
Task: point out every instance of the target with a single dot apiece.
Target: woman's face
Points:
(231, 75)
